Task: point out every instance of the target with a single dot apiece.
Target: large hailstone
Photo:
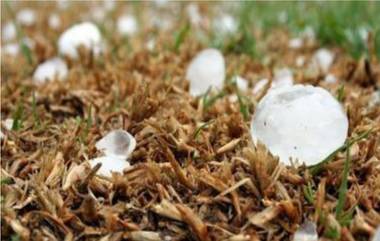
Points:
(84, 34)
(49, 70)
(117, 146)
(205, 71)
(300, 122)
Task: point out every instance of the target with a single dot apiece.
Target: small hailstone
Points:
(300, 61)
(26, 17)
(49, 70)
(127, 25)
(363, 33)
(8, 123)
(241, 83)
(9, 31)
(330, 79)
(11, 49)
(150, 44)
(194, 14)
(306, 232)
(117, 143)
(295, 43)
(225, 24)
(323, 59)
(117, 146)
(374, 99)
(54, 21)
(86, 34)
(300, 122)
(109, 164)
(206, 70)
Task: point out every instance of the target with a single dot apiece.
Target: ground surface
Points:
(195, 173)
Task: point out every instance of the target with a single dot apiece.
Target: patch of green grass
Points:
(332, 233)
(198, 130)
(34, 110)
(343, 186)
(334, 23)
(340, 95)
(309, 193)
(180, 36)
(243, 104)
(209, 100)
(18, 117)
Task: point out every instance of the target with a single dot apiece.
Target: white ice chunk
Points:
(8, 31)
(374, 99)
(26, 17)
(11, 49)
(54, 21)
(295, 43)
(118, 142)
(109, 164)
(241, 83)
(300, 122)
(331, 79)
(8, 123)
(306, 232)
(193, 13)
(117, 145)
(86, 34)
(206, 70)
(225, 24)
(323, 59)
(300, 61)
(127, 25)
(49, 70)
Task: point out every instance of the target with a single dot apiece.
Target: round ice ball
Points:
(300, 122)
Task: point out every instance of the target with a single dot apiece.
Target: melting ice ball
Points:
(300, 122)
(306, 232)
(117, 146)
(86, 34)
(49, 70)
(206, 70)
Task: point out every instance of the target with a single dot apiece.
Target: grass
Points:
(343, 186)
(328, 19)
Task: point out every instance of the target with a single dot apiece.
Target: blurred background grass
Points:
(340, 23)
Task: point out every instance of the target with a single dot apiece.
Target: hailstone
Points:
(118, 142)
(26, 17)
(306, 232)
(323, 59)
(205, 71)
(8, 31)
(300, 122)
(84, 34)
(54, 21)
(49, 70)
(117, 146)
(127, 25)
